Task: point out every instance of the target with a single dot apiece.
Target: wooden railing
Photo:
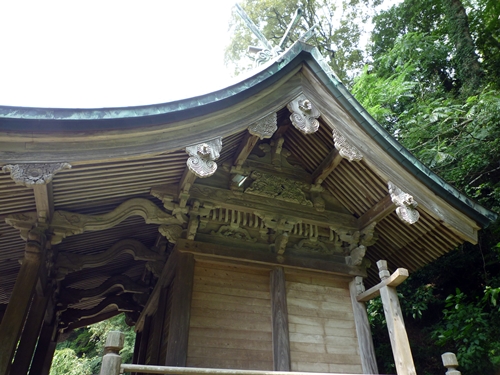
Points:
(111, 364)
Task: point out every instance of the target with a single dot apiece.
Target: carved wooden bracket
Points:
(202, 157)
(171, 232)
(70, 295)
(356, 256)
(346, 150)
(265, 127)
(304, 115)
(34, 174)
(65, 224)
(406, 204)
(69, 262)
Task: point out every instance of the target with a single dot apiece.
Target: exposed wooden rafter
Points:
(378, 212)
(326, 167)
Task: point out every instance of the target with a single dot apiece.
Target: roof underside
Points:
(112, 163)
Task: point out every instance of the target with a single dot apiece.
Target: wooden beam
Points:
(326, 167)
(187, 181)
(378, 212)
(29, 337)
(180, 313)
(363, 331)
(270, 259)
(165, 279)
(245, 148)
(400, 275)
(18, 307)
(281, 338)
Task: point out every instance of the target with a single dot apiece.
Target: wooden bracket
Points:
(377, 213)
(326, 167)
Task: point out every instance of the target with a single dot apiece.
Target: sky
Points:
(93, 54)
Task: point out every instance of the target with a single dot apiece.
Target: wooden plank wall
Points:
(230, 318)
(321, 324)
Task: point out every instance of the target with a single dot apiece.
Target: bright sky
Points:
(87, 53)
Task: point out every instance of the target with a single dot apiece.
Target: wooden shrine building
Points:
(233, 229)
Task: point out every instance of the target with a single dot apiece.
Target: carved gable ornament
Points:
(265, 127)
(406, 204)
(34, 174)
(346, 150)
(304, 115)
(202, 157)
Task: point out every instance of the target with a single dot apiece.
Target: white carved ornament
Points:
(406, 204)
(265, 127)
(202, 157)
(304, 115)
(34, 174)
(346, 150)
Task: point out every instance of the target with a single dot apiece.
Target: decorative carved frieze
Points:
(34, 174)
(171, 232)
(265, 127)
(202, 157)
(267, 185)
(69, 262)
(234, 231)
(407, 207)
(304, 115)
(346, 150)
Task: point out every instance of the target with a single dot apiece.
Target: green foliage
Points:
(81, 353)
(340, 27)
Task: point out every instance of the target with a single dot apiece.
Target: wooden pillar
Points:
(279, 310)
(17, 309)
(363, 331)
(401, 351)
(451, 363)
(143, 347)
(29, 337)
(42, 359)
(155, 338)
(180, 312)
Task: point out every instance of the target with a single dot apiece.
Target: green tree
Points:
(338, 36)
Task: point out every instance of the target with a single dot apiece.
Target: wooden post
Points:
(363, 331)
(181, 312)
(20, 300)
(281, 339)
(156, 338)
(451, 363)
(397, 332)
(111, 361)
(29, 337)
(42, 360)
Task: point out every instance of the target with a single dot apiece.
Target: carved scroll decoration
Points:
(34, 174)
(346, 150)
(69, 262)
(304, 115)
(265, 127)
(406, 204)
(234, 231)
(202, 157)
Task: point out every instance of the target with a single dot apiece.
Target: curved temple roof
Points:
(122, 153)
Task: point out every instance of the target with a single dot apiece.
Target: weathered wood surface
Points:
(18, 307)
(180, 313)
(286, 261)
(47, 341)
(245, 149)
(321, 324)
(29, 337)
(363, 331)
(230, 318)
(378, 212)
(400, 275)
(327, 166)
(281, 340)
(111, 361)
(400, 344)
(156, 335)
